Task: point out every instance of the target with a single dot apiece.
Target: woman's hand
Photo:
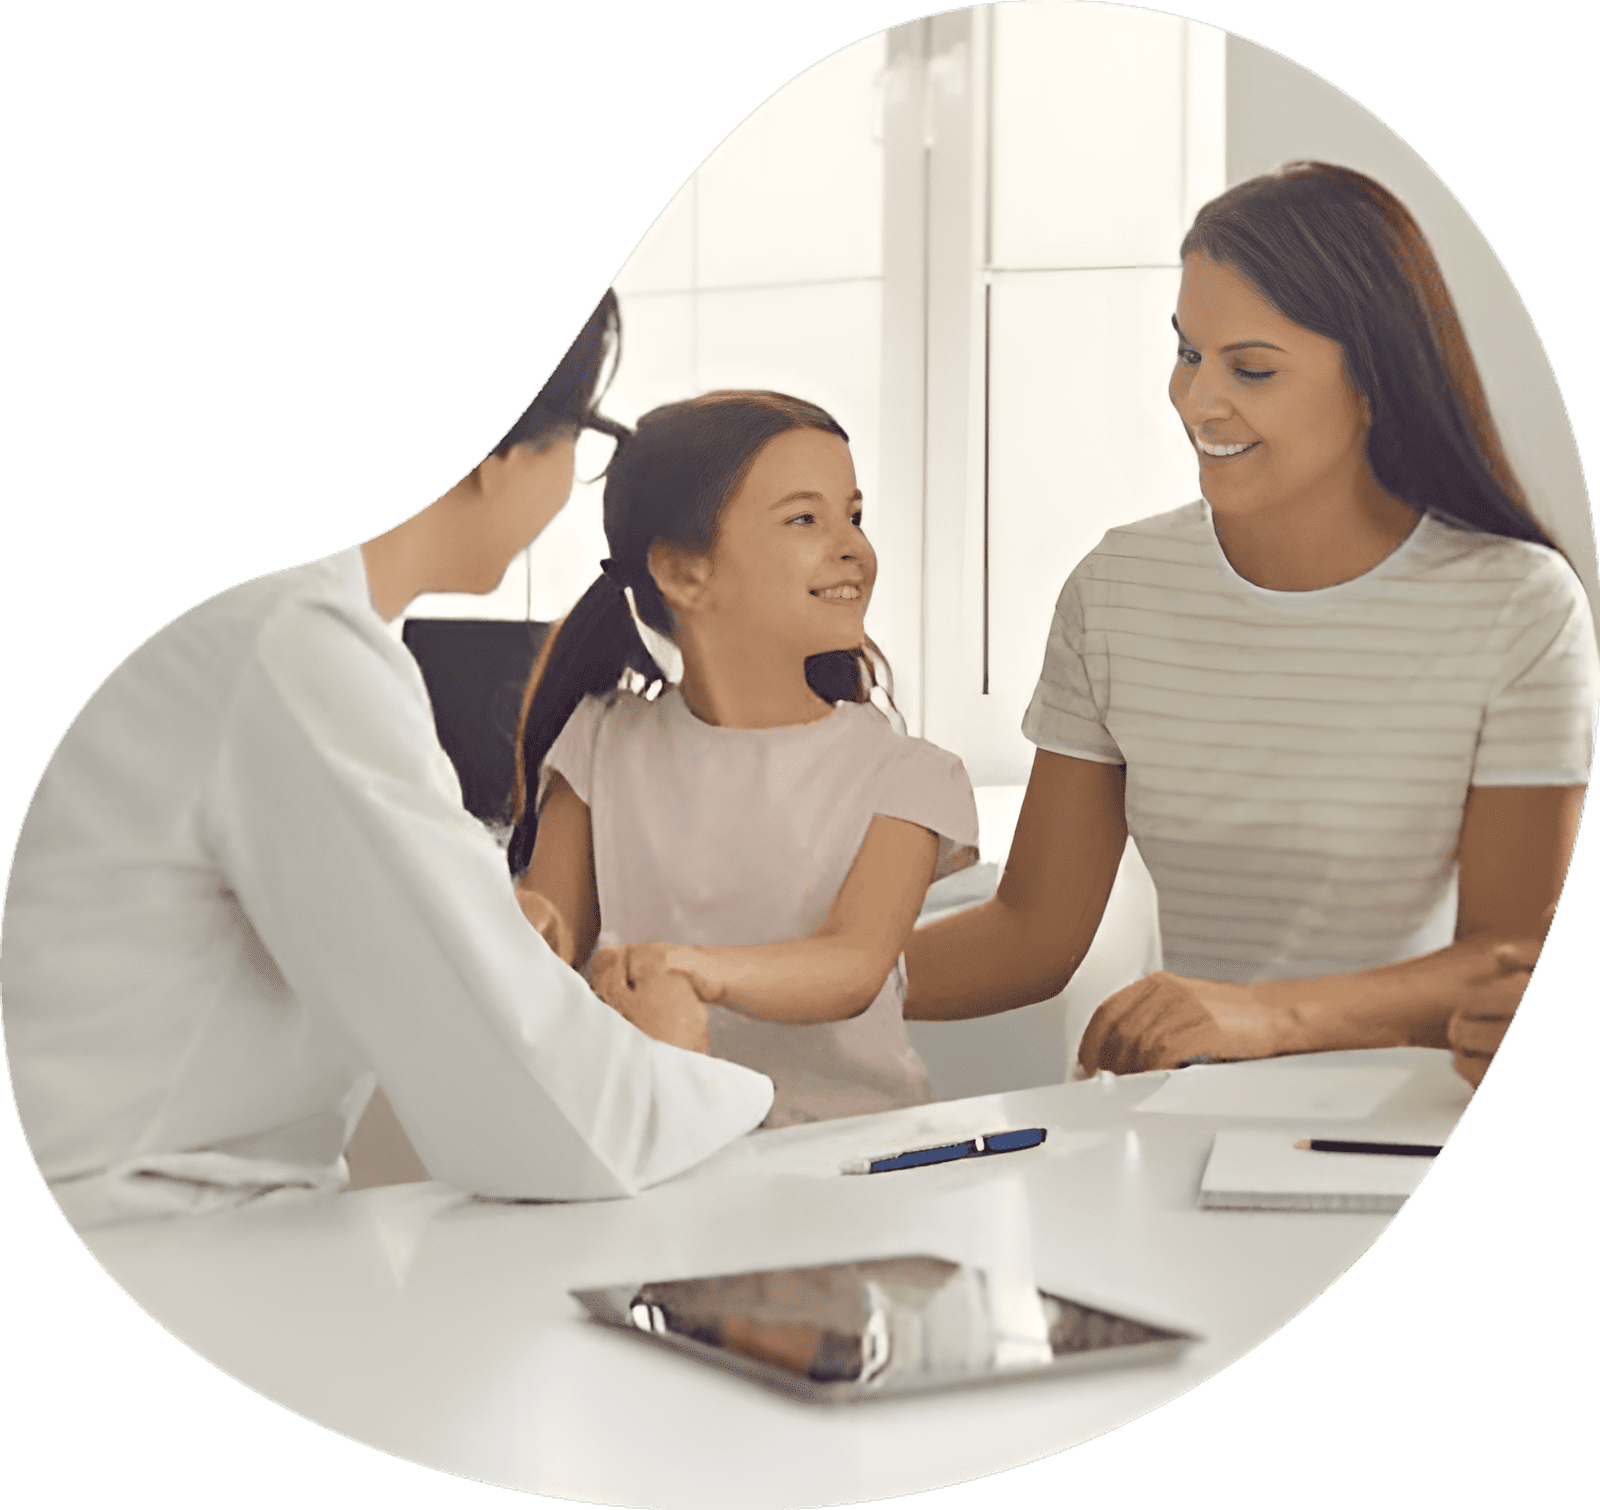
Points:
(642, 983)
(1158, 1022)
(1494, 985)
(1462, 997)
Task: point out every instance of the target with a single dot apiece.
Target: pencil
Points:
(1334, 1145)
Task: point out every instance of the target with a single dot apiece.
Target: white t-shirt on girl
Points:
(712, 836)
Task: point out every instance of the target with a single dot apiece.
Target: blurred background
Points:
(960, 236)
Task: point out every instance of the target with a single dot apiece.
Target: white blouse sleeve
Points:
(386, 906)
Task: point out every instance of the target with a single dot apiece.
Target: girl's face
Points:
(1269, 410)
(790, 565)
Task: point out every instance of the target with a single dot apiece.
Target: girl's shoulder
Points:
(901, 776)
(617, 715)
(619, 708)
(894, 750)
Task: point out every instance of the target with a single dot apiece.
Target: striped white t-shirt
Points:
(1298, 761)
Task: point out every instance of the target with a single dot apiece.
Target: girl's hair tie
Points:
(615, 573)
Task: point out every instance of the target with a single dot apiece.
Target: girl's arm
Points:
(832, 975)
(558, 896)
(1023, 946)
(557, 890)
(1514, 848)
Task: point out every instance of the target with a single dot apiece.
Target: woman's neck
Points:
(1308, 543)
(746, 687)
(423, 554)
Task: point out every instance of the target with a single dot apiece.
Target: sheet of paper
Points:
(1277, 1088)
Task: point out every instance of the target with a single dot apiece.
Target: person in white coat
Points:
(247, 891)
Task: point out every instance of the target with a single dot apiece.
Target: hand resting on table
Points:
(1158, 1022)
(1477, 1026)
(1164, 1019)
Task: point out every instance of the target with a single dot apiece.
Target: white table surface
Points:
(439, 1328)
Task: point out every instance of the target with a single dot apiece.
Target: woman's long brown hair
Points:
(1337, 253)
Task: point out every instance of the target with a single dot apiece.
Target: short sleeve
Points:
(1538, 725)
(1065, 716)
(573, 752)
(926, 785)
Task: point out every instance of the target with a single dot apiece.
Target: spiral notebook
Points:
(1251, 1170)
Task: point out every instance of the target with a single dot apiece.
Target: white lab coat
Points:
(247, 889)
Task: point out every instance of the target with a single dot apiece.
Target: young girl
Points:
(757, 833)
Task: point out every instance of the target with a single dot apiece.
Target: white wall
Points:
(1278, 111)
(1100, 132)
(962, 238)
(764, 271)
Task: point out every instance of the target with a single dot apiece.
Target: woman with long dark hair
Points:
(1344, 703)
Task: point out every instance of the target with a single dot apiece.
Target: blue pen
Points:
(945, 1153)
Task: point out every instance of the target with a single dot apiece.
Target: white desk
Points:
(439, 1328)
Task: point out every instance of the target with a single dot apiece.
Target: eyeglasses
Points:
(596, 445)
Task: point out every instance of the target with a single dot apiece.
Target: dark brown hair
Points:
(567, 402)
(669, 481)
(1337, 253)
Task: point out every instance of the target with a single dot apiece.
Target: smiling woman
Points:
(1281, 437)
(749, 847)
(1344, 702)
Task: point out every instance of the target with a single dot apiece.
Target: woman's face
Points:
(791, 566)
(1271, 414)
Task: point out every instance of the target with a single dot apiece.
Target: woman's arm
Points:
(557, 890)
(1514, 848)
(1023, 946)
(832, 975)
(1503, 882)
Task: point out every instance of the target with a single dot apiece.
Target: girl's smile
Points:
(788, 577)
(791, 564)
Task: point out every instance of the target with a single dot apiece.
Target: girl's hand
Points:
(634, 963)
(637, 981)
(1162, 1020)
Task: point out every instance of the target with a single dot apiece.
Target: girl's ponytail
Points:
(584, 654)
(668, 481)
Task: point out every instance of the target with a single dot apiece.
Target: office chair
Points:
(475, 670)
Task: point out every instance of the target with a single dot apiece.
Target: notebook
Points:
(1263, 1171)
